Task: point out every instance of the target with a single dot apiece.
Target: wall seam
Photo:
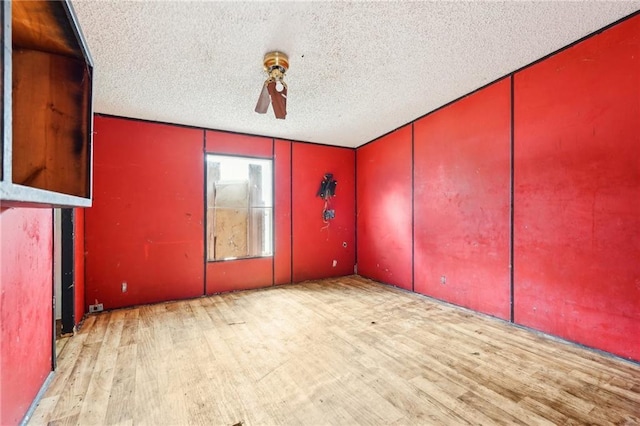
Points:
(413, 211)
(84, 266)
(274, 231)
(355, 216)
(291, 210)
(53, 292)
(204, 219)
(511, 203)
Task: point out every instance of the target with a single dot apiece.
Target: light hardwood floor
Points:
(340, 351)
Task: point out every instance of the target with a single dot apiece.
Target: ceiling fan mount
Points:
(274, 60)
(274, 89)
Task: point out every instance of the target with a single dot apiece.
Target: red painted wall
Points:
(384, 202)
(282, 254)
(576, 204)
(237, 144)
(79, 265)
(26, 293)
(146, 224)
(462, 200)
(242, 274)
(577, 192)
(576, 208)
(316, 246)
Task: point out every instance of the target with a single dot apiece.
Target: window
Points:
(239, 207)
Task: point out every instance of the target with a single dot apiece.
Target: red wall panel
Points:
(462, 200)
(241, 274)
(146, 224)
(26, 293)
(384, 206)
(315, 245)
(79, 265)
(237, 144)
(577, 192)
(282, 212)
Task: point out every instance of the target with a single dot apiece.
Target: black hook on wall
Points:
(327, 187)
(326, 191)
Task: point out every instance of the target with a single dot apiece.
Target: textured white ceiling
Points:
(357, 70)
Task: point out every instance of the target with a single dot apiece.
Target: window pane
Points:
(239, 207)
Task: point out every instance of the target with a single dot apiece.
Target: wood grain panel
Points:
(50, 135)
(43, 25)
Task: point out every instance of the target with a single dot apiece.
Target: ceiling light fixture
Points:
(274, 89)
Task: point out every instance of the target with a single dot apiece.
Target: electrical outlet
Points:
(443, 279)
(124, 286)
(96, 308)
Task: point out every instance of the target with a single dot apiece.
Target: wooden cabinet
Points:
(46, 106)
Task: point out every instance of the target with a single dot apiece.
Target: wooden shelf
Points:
(46, 106)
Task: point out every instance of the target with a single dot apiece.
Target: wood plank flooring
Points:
(340, 351)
